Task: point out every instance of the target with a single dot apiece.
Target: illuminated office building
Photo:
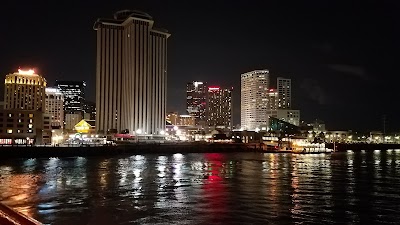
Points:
(54, 106)
(219, 107)
(74, 96)
(196, 101)
(131, 74)
(284, 93)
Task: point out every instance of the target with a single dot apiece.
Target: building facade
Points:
(54, 106)
(219, 107)
(273, 99)
(172, 118)
(71, 119)
(254, 100)
(74, 95)
(196, 101)
(284, 93)
(25, 90)
(131, 74)
(186, 120)
(289, 115)
(89, 110)
(21, 127)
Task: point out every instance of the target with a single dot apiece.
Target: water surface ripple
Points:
(237, 188)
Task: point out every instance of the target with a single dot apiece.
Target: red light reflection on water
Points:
(214, 188)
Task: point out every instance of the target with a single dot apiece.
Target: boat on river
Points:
(297, 145)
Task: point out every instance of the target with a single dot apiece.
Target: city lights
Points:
(26, 72)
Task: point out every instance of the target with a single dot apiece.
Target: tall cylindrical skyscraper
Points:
(131, 74)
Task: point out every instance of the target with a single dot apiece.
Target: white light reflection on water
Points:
(247, 188)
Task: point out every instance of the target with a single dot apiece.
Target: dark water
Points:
(245, 188)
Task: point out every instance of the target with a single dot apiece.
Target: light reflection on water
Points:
(245, 188)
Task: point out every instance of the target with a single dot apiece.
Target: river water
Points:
(236, 188)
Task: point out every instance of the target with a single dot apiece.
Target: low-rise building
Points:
(21, 127)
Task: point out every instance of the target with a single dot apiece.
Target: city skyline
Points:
(332, 73)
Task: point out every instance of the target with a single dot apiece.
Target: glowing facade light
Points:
(175, 128)
(196, 83)
(26, 72)
(138, 131)
(162, 132)
(213, 88)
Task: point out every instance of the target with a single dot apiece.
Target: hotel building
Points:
(254, 100)
(196, 100)
(24, 90)
(23, 119)
(219, 108)
(54, 106)
(131, 74)
(284, 93)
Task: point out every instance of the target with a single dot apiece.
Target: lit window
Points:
(30, 126)
(30, 115)
(9, 131)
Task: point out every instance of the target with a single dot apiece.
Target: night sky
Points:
(342, 56)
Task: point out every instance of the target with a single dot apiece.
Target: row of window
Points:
(18, 131)
(10, 115)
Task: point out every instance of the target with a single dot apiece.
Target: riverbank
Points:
(342, 147)
(166, 148)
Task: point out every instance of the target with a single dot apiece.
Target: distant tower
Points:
(254, 99)
(25, 90)
(284, 93)
(196, 101)
(131, 74)
(219, 108)
(74, 95)
(54, 106)
(273, 99)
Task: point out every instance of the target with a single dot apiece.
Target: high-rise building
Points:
(284, 93)
(254, 100)
(74, 95)
(54, 106)
(89, 111)
(219, 107)
(196, 100)
(273, 99)
(131, 74)
(25, 90)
